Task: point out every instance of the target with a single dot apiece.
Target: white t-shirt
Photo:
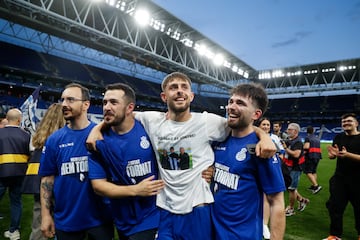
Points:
(185, 188)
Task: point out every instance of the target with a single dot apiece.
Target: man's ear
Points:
(257, 114)
(163, 97)
(192, 96)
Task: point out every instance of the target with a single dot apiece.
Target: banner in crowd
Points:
(28, 109)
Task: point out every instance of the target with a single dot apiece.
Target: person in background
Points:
(312, 152)
(277, 125)
(78, 212)
(344, 184)
(14, 155)
(124, 167)
(294, 159)
(3, 122)
(52, 120)
(265, 125)
(241, 178)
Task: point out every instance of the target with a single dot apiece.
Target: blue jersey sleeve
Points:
(270, 175)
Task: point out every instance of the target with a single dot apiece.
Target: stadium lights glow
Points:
(277, 73)
(227, 64)
(157, 25)
(310, 71)
(142, 17)
(343, 68)
(324, 70)
(218, 59)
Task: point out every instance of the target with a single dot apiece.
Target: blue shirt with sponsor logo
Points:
(240, 180)
(127, 159)
(65, 156)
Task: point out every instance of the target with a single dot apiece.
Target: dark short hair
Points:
(310, 130)
(346, 115)
(85, 93)
(255, 91)
(129, 93)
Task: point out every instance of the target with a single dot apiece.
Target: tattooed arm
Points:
(46, 192)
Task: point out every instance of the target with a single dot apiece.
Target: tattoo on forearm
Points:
(47, 193)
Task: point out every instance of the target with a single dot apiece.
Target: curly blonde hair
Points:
(52, 121)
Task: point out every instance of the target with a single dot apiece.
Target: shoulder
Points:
(213, 118)
(149, 115)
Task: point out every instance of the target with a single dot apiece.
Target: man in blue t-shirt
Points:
(241, 177)
(78, 213)
(124, 168)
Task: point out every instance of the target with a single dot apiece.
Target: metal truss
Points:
(99, 26)
(147, 52)
(341, 77)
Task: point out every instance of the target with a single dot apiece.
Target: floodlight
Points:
(200, 48)
(240, 71)
(342, 68)
(227, 64)
(209, 54)
(142, 17)
(234, 68)
(219, 59)
(246, 74)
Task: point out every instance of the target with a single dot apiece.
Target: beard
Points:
(113, 120)
(178, 109)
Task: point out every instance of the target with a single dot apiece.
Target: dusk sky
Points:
(269, 34)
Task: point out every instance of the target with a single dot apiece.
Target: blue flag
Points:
(28, 109)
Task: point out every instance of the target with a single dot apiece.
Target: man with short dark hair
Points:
(344, 184)
(125, 169)
(14, 155)
(241, 177)
(312, 152)
(78, 212)
(277, 130)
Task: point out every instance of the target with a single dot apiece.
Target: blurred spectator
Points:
(52, 121)
(294, 159)
(312, 153)
(344, 184)
(14, 154)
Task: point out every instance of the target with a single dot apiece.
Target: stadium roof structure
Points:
(165, 44)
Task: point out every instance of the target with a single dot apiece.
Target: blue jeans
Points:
(14, 185)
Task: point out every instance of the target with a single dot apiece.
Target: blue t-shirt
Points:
(127, 159)
(65, 156)
(240, 180)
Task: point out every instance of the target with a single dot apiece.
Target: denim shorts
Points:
(295, 177)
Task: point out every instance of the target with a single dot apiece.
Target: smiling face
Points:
(115, 107)
(241, 112)
(265, 125)
(349, 124)
(177, 95)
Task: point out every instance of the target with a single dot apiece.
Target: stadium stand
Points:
(24, 69)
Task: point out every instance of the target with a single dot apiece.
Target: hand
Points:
(342, 153)
(149, 187)
(208, 173)
(94, 135)
(265, 148)
(47, 226)
(333, 151)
